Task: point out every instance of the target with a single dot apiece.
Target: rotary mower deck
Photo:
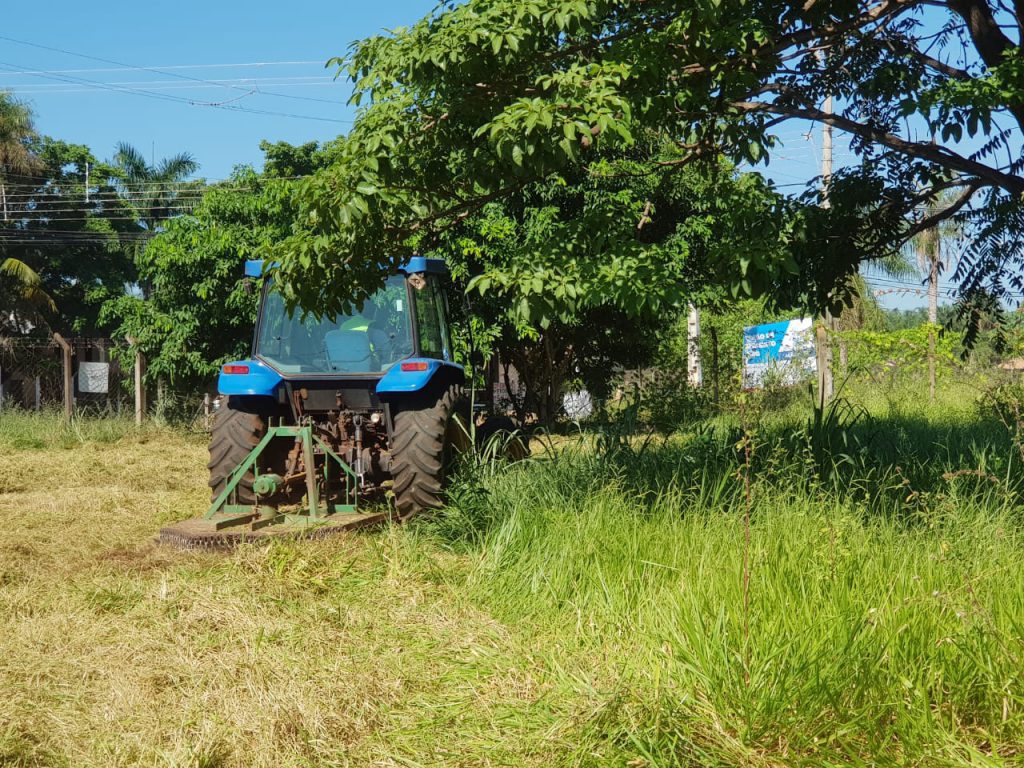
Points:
(316, 498)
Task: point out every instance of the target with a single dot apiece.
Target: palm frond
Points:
(20, 271)
(177, 167)
(29, 282)
(131, 162)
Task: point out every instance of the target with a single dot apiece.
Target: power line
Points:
(220, 82)
(127, 68)
(148, 69)
(255, 90)
(209, 183)
(177, 99)
(49, 89)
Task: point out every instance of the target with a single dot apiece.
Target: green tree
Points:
(200, 310)
(933, 247)
(481, 99)
(20, 285)
(79, 241)
(577, 276)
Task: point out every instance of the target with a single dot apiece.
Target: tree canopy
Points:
(482, 98)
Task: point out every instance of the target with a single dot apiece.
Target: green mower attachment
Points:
(327, 505)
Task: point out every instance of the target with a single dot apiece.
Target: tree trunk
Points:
(517, 402)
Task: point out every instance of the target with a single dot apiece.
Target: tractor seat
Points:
(349, 351)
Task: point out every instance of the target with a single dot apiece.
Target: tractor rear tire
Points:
(238, 427)
(427, 434)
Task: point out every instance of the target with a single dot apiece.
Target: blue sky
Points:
(198, 39)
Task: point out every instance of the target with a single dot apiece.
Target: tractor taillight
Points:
(235, 369)
(415, 366)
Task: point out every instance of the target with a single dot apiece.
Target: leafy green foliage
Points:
(481, 99)
(907, 349)
(578, 276)
(198, 313)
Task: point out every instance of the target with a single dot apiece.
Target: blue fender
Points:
(414, 374)
(258, 379)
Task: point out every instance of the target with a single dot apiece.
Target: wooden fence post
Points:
(140, 389)
(69, 382)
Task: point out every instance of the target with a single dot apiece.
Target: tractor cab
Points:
(397, 341)
(406, 318)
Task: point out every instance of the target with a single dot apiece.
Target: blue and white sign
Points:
(784, 350)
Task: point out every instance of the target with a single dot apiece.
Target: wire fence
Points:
(35, 375)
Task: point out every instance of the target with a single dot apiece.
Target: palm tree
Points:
(17, 133)
(17, 159)
(152, 190)
(864, 308)
(932, 248)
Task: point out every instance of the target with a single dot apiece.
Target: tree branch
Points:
(939, 155)
(988, 38)
(939, 216)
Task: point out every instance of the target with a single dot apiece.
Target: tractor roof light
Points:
(236, 369)
(415, 366)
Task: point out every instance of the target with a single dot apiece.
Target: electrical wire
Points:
(147, 69)
(178, 99)
(168, 66)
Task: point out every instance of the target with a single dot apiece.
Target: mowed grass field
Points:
(584, 608)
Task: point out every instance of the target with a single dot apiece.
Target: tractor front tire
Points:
(238, 427)
(428, 431)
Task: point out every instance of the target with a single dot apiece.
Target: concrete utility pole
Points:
(824, 351)
(695, 374)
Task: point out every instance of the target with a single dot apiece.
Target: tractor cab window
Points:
(431, 316)
(370, 339)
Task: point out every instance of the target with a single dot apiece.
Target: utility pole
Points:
(695, 375)
(87, 183)
(824, 351)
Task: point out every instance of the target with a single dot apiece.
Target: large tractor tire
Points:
(238, 427)
(428, 432)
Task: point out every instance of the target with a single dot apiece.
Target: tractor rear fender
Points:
(416, 374)
(400, 389)
(248, 377)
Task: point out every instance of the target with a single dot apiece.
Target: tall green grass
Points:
(46, 429)
(883, 618)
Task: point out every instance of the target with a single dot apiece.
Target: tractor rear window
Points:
(370, 340)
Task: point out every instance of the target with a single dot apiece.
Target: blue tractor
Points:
(329, 410)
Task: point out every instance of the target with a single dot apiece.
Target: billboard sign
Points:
(784, 350)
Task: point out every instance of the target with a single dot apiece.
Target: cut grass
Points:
(583, 609)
